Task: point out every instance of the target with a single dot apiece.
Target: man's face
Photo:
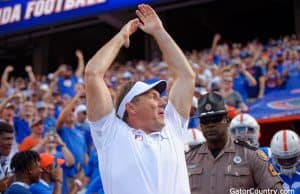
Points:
(6, 141)
(214, 128)
(8, 114)
(227, 81)
(34, 172)
(149, 108)
(38, 129)
(81, 116)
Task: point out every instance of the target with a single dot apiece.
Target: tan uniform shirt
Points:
(236, 167)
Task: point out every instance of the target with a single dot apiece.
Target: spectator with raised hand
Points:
(258, 90)
(23, 121)
(242, 79)
(212, 58)
(273, 78)
(51, 176)
(142, 130)
(5, 85)
(72, 137)
(67, 80)
(32, 79)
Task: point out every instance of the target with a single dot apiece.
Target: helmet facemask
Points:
(288, 166)
(247, 134)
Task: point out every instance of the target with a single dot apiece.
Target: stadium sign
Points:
(19, 15)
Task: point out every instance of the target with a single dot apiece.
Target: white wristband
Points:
(78, 182)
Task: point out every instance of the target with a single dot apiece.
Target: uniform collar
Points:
(228, 148)
(161, 135)
(25, 185)
(42, 181)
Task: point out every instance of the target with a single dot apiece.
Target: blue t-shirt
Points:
(95, 186)
(67, 86)
(92, 168)
(17, 189)
(292, 183)
(193, 122)
(84, 129)
(42, 188)
(49, 123)
(75, 141)
(22, 129)
(256, 72)
(240, 84)
(60, 155)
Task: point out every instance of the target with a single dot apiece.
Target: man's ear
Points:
(130, 108)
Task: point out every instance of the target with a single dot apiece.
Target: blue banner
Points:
(20, 15)
(281, 103)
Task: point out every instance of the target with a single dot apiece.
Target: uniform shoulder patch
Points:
(272, 170)
(261, 155)
(244, 144)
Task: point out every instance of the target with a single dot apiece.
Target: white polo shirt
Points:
(133, 162)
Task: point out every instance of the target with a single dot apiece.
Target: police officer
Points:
(222, 165)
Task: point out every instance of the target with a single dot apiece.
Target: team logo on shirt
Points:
(138, 135)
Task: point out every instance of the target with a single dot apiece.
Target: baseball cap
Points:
(47, 159)
(80, 108)
(36, 120)
(211, 104)
(138, 89)
(40, 105)
(10, 105)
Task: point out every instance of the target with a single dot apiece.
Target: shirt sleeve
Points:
(264, 173)
(104, 130)
(178, 123)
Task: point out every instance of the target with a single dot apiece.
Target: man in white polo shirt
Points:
(141, 142)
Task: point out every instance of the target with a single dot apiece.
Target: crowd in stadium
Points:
(47, 114)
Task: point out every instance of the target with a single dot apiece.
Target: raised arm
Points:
(249, 77)
(80, 66)
(66, 111)
(216, 40)
(4, 78)
(182, 89)
(30, 74)
(99, 102)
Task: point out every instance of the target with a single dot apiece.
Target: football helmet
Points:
(193, 137)
(245, 128)
(285, 148)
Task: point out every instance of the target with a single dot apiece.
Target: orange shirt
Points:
(28, 143)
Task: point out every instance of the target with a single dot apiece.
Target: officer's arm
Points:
(264, 174)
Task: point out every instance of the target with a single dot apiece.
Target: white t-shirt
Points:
(133, 162)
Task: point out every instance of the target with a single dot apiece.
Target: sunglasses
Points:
(212, 119)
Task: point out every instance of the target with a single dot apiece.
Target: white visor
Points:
(138, 89)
